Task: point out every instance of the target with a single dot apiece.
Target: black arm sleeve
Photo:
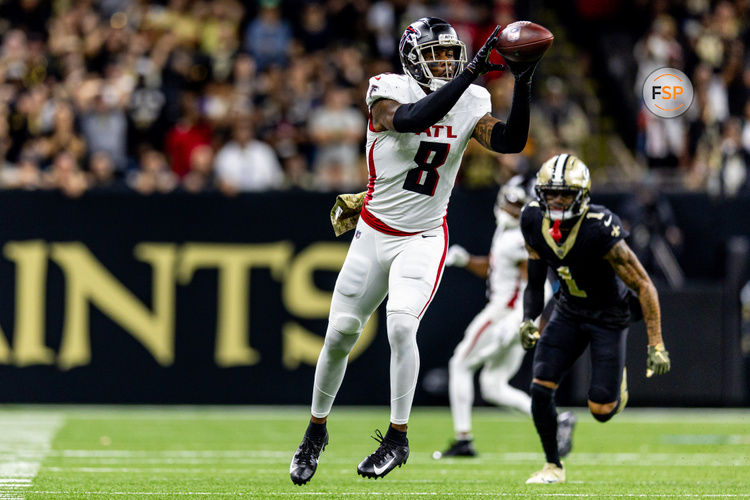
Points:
(533, 296)
(511, 137)
(429, 110)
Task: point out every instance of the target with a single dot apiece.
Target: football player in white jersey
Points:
(490, 341)
(419, 125)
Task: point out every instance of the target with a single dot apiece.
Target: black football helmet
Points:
(568, 174)
(422, 37)
(515, 193)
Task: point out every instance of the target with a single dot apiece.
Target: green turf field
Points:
(217, 452)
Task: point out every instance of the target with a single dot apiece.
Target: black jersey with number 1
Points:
(589, 288)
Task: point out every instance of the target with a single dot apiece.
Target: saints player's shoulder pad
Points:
(606, 224)
(530, 212)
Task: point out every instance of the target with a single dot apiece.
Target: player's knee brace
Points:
(346, 324)
(339, 344)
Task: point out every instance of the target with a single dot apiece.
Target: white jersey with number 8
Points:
(411, 175)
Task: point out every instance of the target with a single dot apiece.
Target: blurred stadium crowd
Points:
(200, 95)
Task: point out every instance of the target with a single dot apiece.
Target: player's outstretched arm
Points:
(426, 112)
(533, 295)
(507, 137)
(631, 272)
(510, 137)
(533, 299)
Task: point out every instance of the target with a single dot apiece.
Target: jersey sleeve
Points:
(481, 103)
(609, 231)
(483, 100)
(529, 215)
(387, 86)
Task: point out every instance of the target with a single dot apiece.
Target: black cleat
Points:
(305, 460)
(565, 423)
(458, 448)
(388, 455)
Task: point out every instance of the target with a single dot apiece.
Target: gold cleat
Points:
(550, 474)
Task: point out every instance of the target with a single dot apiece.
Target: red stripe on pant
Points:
(440, 267)
(476, 338)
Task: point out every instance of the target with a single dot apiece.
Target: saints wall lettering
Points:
(88, 283)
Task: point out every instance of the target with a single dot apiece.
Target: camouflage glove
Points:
(481, 63)
(658, 360)
(345, 212)
(529, 334)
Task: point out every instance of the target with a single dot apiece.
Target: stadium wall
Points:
(121, 298)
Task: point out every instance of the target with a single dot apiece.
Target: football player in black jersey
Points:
(584, 245)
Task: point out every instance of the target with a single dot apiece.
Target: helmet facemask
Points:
(576, 208)
(427, 61)
(420, 52)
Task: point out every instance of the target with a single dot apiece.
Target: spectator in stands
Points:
(336, 130)
(104, 123)
(663, 143)
(64, 136)
(746, 127)
(26, 175)
(102, 172)
(558, 120)
(153, 174)
(732, 175)
(659, 48)
(314, 32)
(246, 164)
(66, 176)
(188, 133)
(297, 174)
(381, 19)
(268, 36)
(201, 175)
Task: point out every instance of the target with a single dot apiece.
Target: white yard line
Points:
(439, 494)
(24, 442)
(79, 458)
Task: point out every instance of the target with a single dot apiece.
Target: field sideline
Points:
(223, 452)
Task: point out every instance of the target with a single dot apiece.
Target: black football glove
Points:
(522, 71)
(481, 63)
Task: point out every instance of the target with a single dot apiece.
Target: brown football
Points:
(524, 41)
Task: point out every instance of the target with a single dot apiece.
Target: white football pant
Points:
(407, 269)
(490, 342)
